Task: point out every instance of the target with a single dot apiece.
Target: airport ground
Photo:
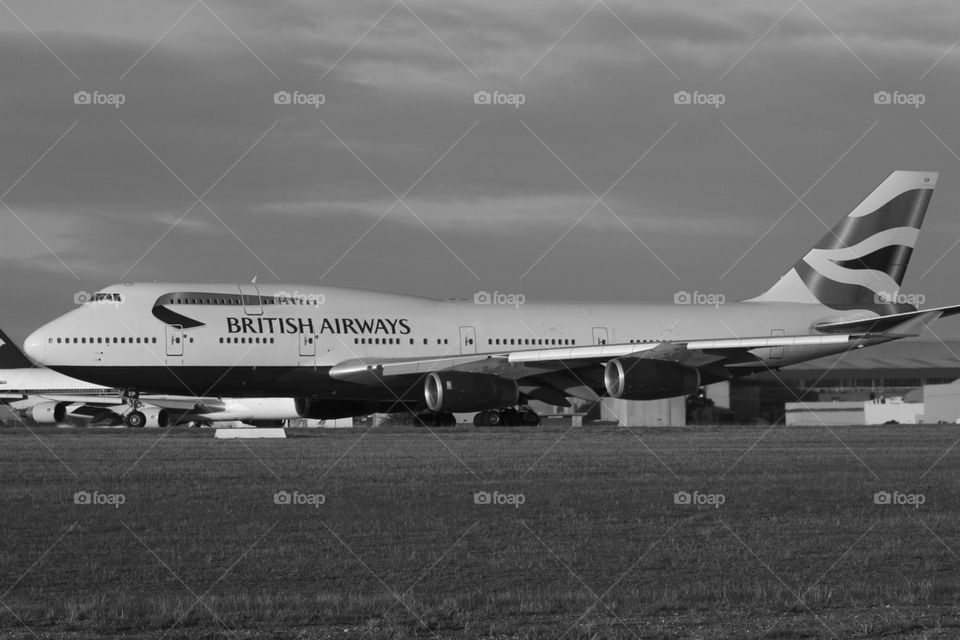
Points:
(482, 533)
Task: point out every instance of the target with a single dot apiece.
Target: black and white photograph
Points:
(520, 320)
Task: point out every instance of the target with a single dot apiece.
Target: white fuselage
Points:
(276, 340)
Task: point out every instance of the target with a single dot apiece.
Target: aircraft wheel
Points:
(135, 419)
(448, 420)
(510, 417)
(477, 419)
(491, 418)
(530, 418)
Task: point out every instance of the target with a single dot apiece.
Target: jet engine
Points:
(646, 379)
(156, 417)
(450, 391)
(48, 412)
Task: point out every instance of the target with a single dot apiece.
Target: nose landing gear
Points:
(135, 419)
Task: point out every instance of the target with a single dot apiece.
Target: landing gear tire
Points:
(530, 418)
(448, 420)
(487, 418)
(510, 417)
(135, 419)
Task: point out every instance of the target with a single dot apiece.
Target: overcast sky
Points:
(491, 196)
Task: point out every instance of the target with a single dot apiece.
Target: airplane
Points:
(341, 352)
(46, 397)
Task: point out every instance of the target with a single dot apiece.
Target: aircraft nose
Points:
(35, 346)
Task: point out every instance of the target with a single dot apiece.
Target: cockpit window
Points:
(107, 297)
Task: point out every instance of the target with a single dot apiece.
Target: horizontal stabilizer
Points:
(910, 322)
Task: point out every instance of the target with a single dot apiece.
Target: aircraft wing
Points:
(174, 403)
(530, 362)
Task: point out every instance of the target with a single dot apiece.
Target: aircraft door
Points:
(174, 340)
(308, 345)
(600, 335)
(776, 352)
(250, 295)
(468, 340)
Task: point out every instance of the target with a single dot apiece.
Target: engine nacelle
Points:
(450, 391)
(644, 379)
(48, 412)
(156, 417)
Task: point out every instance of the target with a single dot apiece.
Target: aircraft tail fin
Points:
(861, 262)
(10, 355)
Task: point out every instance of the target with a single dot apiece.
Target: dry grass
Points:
(597, 549)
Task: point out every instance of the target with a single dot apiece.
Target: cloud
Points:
(295, 187)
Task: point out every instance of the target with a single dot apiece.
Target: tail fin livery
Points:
(10, 355)
(860, 263)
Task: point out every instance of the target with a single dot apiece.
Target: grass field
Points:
(578, 534)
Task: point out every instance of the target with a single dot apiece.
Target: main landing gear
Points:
(136, 418)
(509, 417)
